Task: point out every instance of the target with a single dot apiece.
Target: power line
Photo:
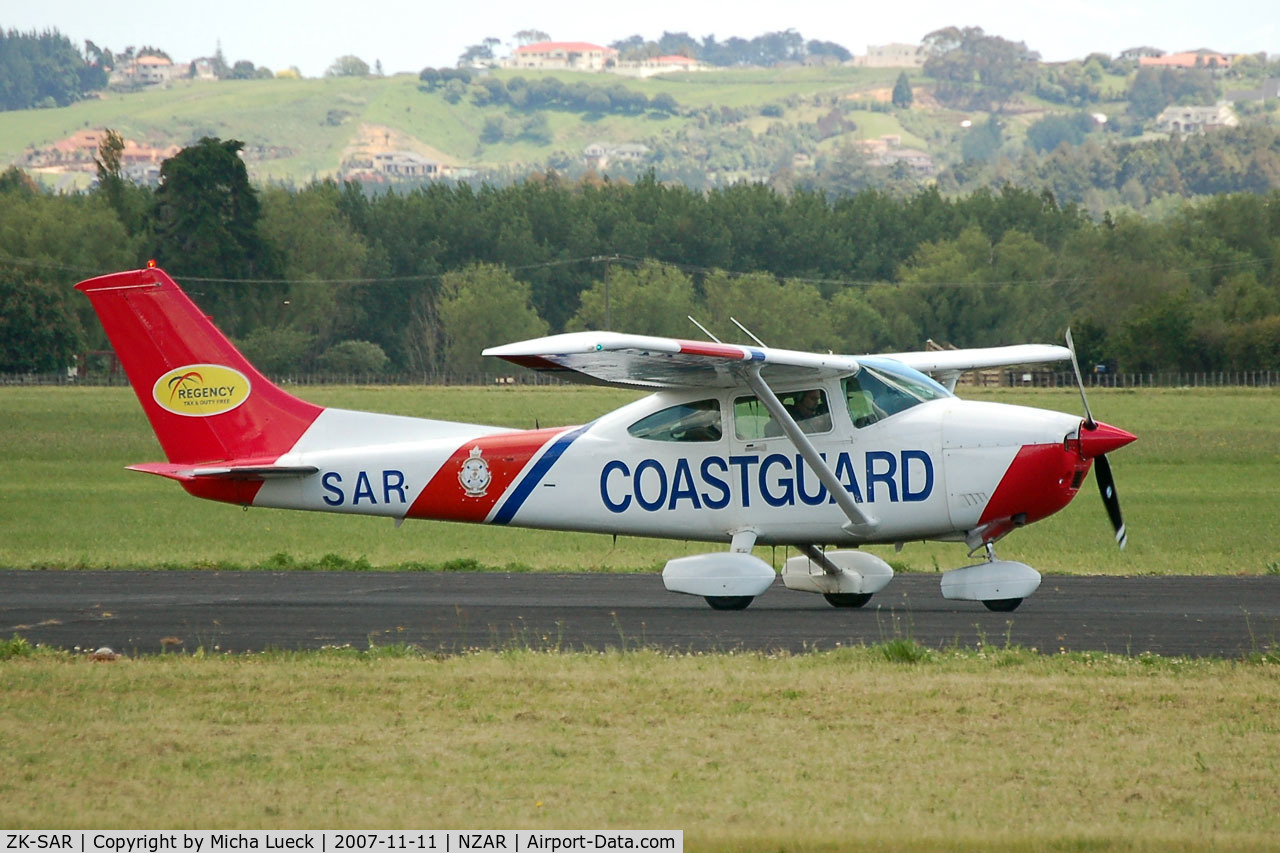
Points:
(691, 269)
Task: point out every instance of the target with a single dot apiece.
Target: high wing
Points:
(947, 365)
(941, 361)
(644, 361)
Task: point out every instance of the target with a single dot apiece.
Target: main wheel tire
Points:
(1003, 605)
(729, 602)
(847, 599)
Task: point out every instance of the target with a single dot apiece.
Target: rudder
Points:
(204, 400)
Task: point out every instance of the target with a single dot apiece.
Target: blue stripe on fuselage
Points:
(520, 493)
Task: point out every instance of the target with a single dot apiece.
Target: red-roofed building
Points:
(1188, 59)
(147, 70)
(76, 153)
(572, 55)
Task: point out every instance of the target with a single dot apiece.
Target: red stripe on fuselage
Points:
(505, 454)
(1038, 483)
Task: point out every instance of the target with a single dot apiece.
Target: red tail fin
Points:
(205, 401)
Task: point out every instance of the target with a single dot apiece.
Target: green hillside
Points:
(306, 125)
(1067, 129)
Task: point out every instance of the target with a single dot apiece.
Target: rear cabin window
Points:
(697, 421)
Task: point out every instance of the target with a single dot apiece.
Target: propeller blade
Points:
(1107, 486)
(1089, 422)
(1102, 438)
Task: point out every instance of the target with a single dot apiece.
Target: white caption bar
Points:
(338, 841)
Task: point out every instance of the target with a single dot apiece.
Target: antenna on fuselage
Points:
(748, 332)
(703, 328)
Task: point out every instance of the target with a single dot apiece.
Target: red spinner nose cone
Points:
(1103, 438)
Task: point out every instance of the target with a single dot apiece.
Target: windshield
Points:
(883, 388)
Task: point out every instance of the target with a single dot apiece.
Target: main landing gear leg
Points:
(999, 605)
(743, 542)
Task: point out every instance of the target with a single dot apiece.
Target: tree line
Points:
(543, 93)
(45, 70)
(330, 277)
(765, 50)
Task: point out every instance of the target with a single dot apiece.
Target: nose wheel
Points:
(1001, 585)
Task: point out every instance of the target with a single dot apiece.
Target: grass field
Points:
(883, 747)
(1200, 491)
(892, 746)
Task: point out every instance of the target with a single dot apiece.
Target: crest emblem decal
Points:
(474, 475)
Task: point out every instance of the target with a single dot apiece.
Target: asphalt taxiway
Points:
(153, 611)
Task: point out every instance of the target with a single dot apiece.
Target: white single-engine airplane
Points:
(742, 445)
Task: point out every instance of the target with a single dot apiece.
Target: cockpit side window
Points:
(696, 421)
(751, 420)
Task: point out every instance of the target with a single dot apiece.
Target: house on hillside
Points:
(391, 166)
(920, 163)
(81, 146)
(135, 154)
(146, 71)
(1188, 59)
(76, 153)
(202, 69)
(1188, 120)
(562, 56)
(657, 65)
(405, 164)
(888, 151)
(598, 155)
(631, 152)
(1138, 52)
(896, 55)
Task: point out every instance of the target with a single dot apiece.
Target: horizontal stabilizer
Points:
(247, 473)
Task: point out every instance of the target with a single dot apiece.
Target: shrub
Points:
(357, 357)
(276, 350)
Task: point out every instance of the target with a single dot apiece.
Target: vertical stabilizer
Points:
(205, 401)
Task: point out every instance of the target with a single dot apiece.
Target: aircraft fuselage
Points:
(930, 472)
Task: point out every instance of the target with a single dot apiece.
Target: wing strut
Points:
(814, 553)
(860, 524)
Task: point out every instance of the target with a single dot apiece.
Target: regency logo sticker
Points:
(201, 390)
